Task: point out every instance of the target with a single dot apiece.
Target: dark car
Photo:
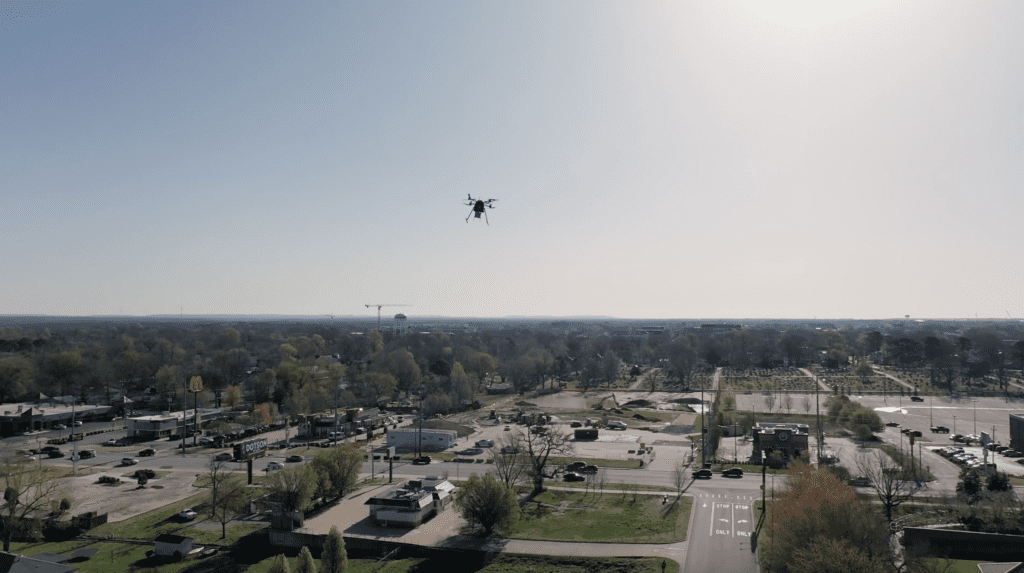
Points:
(573, 476)
(422, 460)
(892, 424)
(940, 430)
(575, 424)
(55, 454)
(148, 452)
(733, 472)
(575, 466)
(591, 469)
(916, 399)
(293, 459)
(702, 474)
(916, 433)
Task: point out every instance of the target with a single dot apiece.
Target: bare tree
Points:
(600, 479)
(539, 447)
(787, 402)
(806, 403)
(28, 489)
(230, 500)
(679, 477)
(892, 483)
(218, 474)
(510, 465)
(769, 401)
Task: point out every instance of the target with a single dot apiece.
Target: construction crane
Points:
(379, 307)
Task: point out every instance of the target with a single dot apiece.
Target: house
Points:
(42, 563)
(412, 503)
(172, 545)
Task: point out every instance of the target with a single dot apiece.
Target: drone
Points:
(479, 207)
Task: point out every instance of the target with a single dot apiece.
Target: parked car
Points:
(60, 427)
(148, 452)
(916, 399)
(860, 482)
(1011, 453)
(892, 424)
(223, 457)
(575, 424)
(915, 433)
(422, 460)
(940, 430)
(484, 444)
(957, 437)
(733, 472)
(274, 466)
(573, 476)
(508, 428)
(129, 461)
(206, 441)
(702, 474)
(187, 514)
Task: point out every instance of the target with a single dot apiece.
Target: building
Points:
(350, 422)
(162, 425)
(430, 440)
(42, 563)
(47, 414)
(1017, 432)
(791, 440)
(172, 545)
(412, 503)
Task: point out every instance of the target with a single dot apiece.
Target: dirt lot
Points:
(120, 502)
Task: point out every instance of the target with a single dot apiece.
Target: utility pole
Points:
(817, 413)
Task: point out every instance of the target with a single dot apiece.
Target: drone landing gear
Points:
(478, 213)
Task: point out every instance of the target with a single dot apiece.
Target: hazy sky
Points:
(651, 159)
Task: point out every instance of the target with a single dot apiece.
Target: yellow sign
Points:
(195, 384)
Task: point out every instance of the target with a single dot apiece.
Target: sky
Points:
(739, 159)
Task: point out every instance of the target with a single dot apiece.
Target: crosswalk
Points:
(730, 515)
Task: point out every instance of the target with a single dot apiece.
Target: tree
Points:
(233, 397)
(970, 487)
(817, 511)
(373, 386)
(306, 563)
(293, 487)
(488, 504)
(402, 365)
(334, 558)
(509, 462)
(806, 403)
(892, 483)
(540, 447)
(28, 489)
(337, 470)
(16, 373)
(218, 474)
(769, 401)
(279, 564)
(230, 500)
(787, 402)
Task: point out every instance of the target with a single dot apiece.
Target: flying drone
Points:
(479, 207)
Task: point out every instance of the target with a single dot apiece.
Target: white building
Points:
(430, 440)
(412, 503)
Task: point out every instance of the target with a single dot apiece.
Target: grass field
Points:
(502, 563)
(604, 518)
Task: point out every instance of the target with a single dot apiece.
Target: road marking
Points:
(721, 532)
(734, 516)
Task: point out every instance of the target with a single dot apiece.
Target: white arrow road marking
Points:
(743, 521)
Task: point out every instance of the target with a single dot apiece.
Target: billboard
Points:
(251, 449)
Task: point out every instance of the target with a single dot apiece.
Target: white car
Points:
(274, 466)
(78, 422)
(187, 514)
(110, 442)
(129, 461)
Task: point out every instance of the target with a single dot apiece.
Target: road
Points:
(721, 535)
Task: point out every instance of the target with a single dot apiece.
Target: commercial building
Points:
(412, 503)
(1017, 432)
(791, 440)
(48, 413)
(430, 440)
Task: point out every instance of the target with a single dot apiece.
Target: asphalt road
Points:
(721, 535)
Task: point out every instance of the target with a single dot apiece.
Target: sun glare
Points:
(808, 14)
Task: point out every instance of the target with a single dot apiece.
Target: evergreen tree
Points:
(334, 558)
(306, 563)
(279, 564)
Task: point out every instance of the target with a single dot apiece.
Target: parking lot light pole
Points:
(954, 424)
(975, 400)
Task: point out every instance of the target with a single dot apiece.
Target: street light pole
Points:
(975, 400)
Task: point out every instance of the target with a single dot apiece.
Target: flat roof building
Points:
(412, 503)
